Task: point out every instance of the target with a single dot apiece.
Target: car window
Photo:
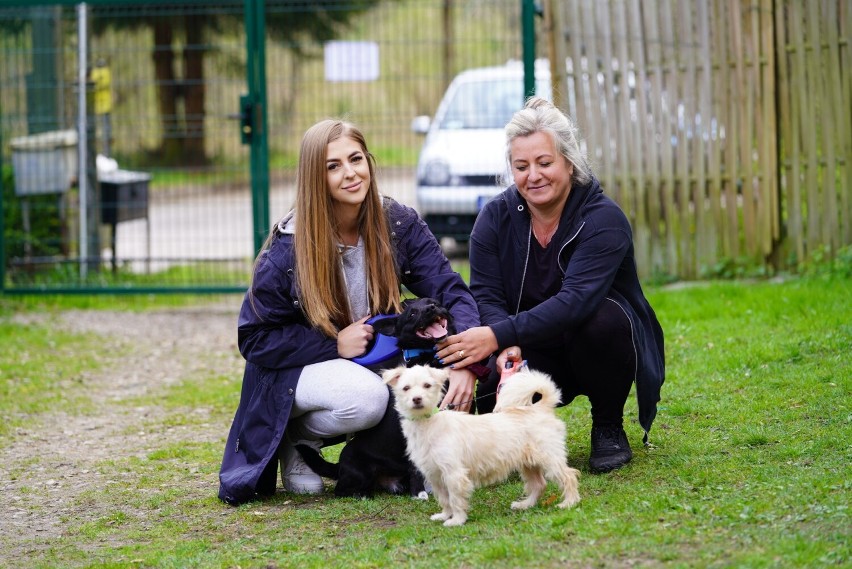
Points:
(488, 103)
(483, 104)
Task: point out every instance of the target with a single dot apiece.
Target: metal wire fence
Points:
(142, 181)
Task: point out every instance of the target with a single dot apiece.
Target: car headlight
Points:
(436, 173)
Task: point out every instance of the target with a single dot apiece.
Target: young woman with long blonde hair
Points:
(340, 256)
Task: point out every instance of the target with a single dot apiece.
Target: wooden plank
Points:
(660, 51)
(726, 87)
(705, 227)
(745, 108)
(649, 147)
(685, 112)
(762, 192)
(717, 71)
(672, 88)
(598, 111)
(628, 131)
(586, 120)
(798, 101)
(812, 95)
(839, 139)
(610, 109)
(827, 218)
(845, 56)
(735, 118)
(769, 134)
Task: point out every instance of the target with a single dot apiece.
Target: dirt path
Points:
(47, 467)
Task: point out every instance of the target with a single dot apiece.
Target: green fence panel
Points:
(169, 205)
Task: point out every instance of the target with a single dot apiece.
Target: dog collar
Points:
(412, 353)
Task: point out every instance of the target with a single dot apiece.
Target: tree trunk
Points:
(194, 95)
(167, 91)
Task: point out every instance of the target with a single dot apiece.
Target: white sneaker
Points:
(297, 476)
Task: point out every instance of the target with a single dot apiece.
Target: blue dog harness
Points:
(383, 347)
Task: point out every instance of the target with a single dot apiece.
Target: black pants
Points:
(598, 361)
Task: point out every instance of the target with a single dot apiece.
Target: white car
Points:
(463, 160)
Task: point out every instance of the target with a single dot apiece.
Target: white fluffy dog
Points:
(459, 452)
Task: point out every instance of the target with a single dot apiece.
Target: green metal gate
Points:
(164, 172)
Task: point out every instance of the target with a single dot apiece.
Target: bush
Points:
(45, 235)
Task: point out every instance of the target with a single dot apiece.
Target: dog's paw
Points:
(422, 495)
(439, 517)
(523, 504)
(455, 521)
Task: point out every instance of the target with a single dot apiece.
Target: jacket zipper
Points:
(559, 255)
(524, 273)
(527, 261)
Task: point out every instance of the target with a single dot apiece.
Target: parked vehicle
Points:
(463, 160)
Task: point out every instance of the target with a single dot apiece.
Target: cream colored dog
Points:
(458, 452)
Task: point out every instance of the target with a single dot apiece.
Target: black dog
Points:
(376, 457)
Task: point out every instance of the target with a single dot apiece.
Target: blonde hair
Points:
(319, 276)
(540, 115)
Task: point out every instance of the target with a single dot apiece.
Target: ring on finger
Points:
(461, 354)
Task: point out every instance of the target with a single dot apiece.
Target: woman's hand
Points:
(353, 340)
(510, 354)
(460, 391)
(469, 347)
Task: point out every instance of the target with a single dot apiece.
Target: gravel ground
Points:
(158, 348)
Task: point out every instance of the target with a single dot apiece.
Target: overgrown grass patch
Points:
(42, 369)
(747, 467)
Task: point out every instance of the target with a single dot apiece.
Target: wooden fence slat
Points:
(835, 137)
(583, 117)
(632, 131)
(824, 193)
(684, 92)
(647, 184)
(732, 96)
(768, 134)
(599, 107)
(705, 226)
(844, 21)
(798, 102)
(658, 49)
(745, 110)
(670, 87)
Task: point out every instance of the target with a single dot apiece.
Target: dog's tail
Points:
(528, 387)
(317, 463)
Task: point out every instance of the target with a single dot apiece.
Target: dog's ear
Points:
(439, 374)
(386, 326)
(391, 376)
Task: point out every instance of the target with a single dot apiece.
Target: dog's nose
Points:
(417, 400)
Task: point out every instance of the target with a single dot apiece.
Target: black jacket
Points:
(597, 262)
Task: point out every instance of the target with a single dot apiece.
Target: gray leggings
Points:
(336, 397)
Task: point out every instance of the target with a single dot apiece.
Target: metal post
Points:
(82, 162)
(256, 76)
(528, 11)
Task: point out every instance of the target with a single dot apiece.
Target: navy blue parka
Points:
(596, 261)
(277, 342)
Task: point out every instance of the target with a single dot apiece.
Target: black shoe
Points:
(610, 449)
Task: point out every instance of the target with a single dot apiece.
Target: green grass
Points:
(748, 465)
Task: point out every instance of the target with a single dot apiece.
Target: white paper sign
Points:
(351, 61)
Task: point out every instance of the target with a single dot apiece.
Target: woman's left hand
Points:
(469, 347)
(459, 395)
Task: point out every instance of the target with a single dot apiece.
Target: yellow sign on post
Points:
(102, 79)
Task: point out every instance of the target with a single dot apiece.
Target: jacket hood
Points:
(287, 224)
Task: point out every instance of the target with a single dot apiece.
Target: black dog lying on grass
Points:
(376, 457)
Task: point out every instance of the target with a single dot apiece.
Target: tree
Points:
(293, 23)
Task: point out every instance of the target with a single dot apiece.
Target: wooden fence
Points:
(722, 127)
